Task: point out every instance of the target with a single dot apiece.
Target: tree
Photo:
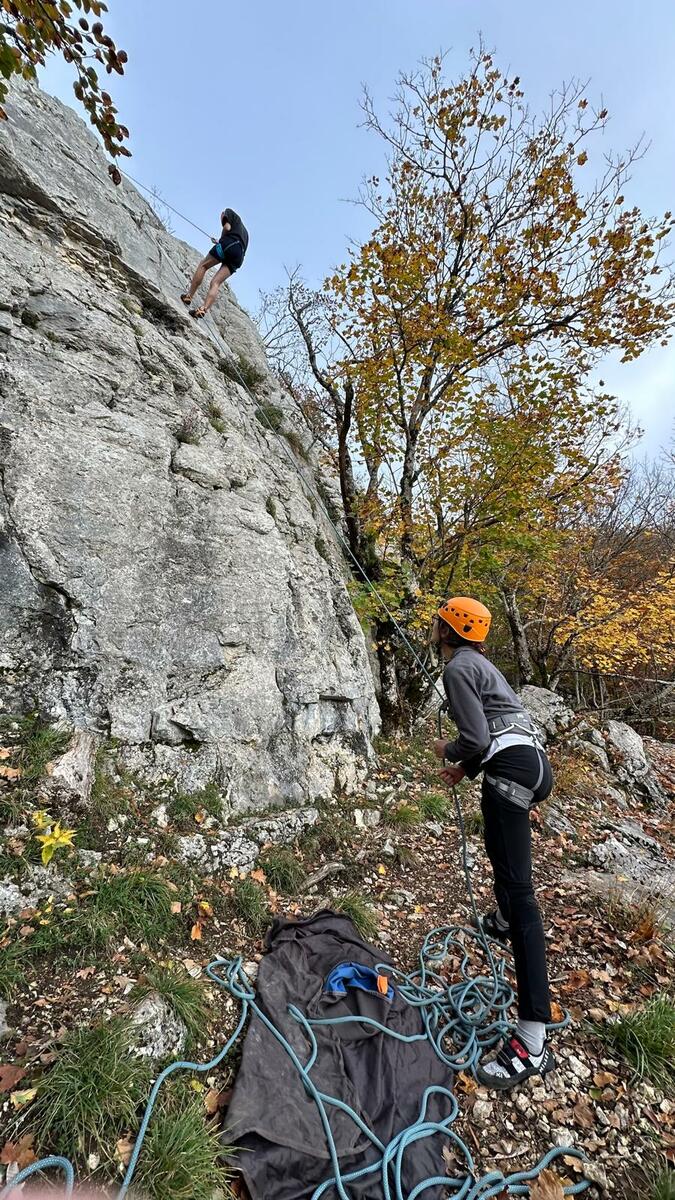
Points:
(448, 360)
(32, 29)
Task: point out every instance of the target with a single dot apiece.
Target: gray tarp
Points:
(274, 1120)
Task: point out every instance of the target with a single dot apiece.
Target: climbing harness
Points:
(461, 1019)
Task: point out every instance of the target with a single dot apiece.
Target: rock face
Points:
(165, 578)
(547, 709)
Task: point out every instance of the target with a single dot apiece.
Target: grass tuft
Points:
(215, 415)
(283, 870)
(404, 815)
(646, 1038)
(640, 919)
(90, 1096)
(356, 907)
(663, 1185)
(433, 805)
(12, 977)
(182, 1154)
(184, 807)
(185, 995)
(40, 743)
(251, 904)
(240, 370)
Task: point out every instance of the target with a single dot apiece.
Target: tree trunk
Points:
(524, 664)
(391, 708)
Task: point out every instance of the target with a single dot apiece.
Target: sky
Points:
(257, 107)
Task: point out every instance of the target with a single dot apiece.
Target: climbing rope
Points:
(470, 1012)
(460, 1020)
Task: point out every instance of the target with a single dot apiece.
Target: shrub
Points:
(189, 431)
(270, 416)
(240, 370)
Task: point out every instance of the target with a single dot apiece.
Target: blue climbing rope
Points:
(470, 1015)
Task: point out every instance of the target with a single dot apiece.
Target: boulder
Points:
(167, 580)
(547, 709)
(36, 885)
(158, 1031)
(635, 864)
(627, 754)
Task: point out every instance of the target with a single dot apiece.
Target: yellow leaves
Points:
(53, 839)
(582, 158)
(41, 819)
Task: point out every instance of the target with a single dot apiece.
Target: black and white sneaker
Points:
(491, 929)
(513, 1065)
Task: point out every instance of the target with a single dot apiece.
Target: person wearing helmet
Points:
(498, 738)
(227, 254)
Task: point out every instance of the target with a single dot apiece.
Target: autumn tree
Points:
(449, 359)
(30, 30)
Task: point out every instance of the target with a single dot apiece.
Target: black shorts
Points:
(229, 252)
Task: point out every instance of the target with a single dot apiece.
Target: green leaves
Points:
(32, 29)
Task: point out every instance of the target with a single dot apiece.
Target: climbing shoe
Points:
(488, 924)
(513, 1065)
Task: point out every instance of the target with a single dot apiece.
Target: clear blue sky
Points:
(257, 106)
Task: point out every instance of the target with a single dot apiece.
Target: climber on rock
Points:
(496, 737)
(228, 251)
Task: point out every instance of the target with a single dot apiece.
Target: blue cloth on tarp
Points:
(355, 975)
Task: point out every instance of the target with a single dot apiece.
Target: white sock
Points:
(533, 1035)
(500, 920)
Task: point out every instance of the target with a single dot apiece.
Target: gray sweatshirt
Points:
(476, 691)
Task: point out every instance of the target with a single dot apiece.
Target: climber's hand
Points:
(439, 747)
(452, 774)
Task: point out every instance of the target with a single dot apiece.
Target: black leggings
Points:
(508, 846)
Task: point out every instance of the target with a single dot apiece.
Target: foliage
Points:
(448, 362)
(284, 871)
(33, 29)
(270, 416)
(356, 907)
(663, 1185)
(647, 1039)
(251, 904)
(241, 370)
(91, 1094)
(11, 973)
(51, 835)
(182, 1154)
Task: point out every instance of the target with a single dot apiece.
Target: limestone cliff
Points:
(165, 578)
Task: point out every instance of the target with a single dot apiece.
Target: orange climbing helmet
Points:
(469, 618)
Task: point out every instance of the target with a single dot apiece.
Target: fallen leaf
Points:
(10, 772)
(603, 1079)
(466, 1083)
(21, 1099)
(557, 1013)
(5, 752)
(576, 980)
(10, 1076)
(123, 1150)
(19, 1152)
(547, 1186)
(583, 1115)
(176, 907)
(196, 932)
(259, 876)
(211, 1101)
(85, 973)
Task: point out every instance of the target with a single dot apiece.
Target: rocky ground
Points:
(117, 929)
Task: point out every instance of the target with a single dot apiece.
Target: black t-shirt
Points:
(237, 227)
